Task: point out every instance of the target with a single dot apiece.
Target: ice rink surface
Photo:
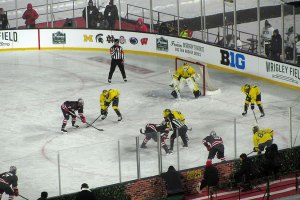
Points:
(34, 84)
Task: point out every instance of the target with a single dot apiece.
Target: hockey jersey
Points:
(177, 115)
(262, 136)
(9, 178)
(72, 106)
(184, 71)
(212, 141)
(252, 95)
(105, 101)
(154, 128)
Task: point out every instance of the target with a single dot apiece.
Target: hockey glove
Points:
(252, 106)
(66, 109)
(255, 149)
(83, 120)
(16, 191)
(208, 148)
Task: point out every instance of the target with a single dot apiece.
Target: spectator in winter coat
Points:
(92, 13)
(267, 32)
(210, 178)
(273, 160)
(3, 20)
(173, 182)
(69, 23)
(298, 48)
(30, 15)
(101, 22)
(289, 44)
(85, 193)
(140, 26)
(111, 14)
(245, 172)
(276, 45)
(44, 196)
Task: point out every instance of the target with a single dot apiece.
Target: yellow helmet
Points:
(167, 112)
(105, 92)
(246, 88)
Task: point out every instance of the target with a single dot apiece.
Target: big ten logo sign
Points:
(87, 38)
(233, 59)
(194, 174)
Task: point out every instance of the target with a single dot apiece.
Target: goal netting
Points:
(206, 85)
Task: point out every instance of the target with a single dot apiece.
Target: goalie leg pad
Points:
(181, 84)
(197, 93)
(192, 85)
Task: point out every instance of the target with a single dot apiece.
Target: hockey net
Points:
(205, 83)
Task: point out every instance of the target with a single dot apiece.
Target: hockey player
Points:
(151, 131)
(68, 108)
(261, 139)
(177, 115)
(177, 125)
(214, 145)
(106, 98)
(185, 74)
(9, 183)
(253, 95)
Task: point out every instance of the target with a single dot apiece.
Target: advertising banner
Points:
(21, 39)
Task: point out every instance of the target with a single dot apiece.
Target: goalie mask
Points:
(80, 102)
(13, 169)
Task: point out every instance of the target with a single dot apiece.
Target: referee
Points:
(117, 58)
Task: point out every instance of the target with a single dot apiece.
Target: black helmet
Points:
(255, 129)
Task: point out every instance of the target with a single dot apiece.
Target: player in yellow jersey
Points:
(177, 115)
(253, 95)
(261, 139)
(185, 74)
(106, 98)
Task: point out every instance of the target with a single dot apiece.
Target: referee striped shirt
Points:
(175, 123)
(117, 53)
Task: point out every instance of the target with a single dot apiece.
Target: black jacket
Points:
(85, 194)
(276, 44)
(92, 12)
(173, 181)
(111, 12)
(211, 175)
(3, 21)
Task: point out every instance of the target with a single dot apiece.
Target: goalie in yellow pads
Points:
(262, 139)
(106, 98)
(185, 74)
(253, 95)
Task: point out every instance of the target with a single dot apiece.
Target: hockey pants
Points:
(66, 118)
(182, 133)
(216, 150)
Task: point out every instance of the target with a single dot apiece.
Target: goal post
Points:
(206, 85)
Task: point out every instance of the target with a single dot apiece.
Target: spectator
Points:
(164, 29)
(3, 20)
(85, 193)
(184, 33)
(266, 36)
(273, 160)
(173, 183)
(231, 43)
(210, 177)
(30, 15)
(298, 48)
(289, 44)
(111, 14)
(91, 13)
(101, 22)
(244, 174)
(140, 26)
(276, 45)
(44, 196)
(69, 23)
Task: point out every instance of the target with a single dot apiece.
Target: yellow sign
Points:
(88, 38)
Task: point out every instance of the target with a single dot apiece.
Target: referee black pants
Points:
(114, 63)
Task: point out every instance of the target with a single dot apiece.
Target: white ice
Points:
(35, 83)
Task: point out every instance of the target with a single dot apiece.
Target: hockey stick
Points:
(255, 117)
(296, 138)
(94, 120)
(99, 129)
(23, 197)
(250, 153)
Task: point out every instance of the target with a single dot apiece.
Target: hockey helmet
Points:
(213, 133)
(105, 93)
(255, 129)
(246, 88)
(13, 169)
(80, 102)
(167, 112)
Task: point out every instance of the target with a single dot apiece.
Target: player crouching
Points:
(185, 74)
(151, 131)
(106, 98)
(262, 139)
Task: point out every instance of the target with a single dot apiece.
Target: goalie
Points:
(185, 74)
